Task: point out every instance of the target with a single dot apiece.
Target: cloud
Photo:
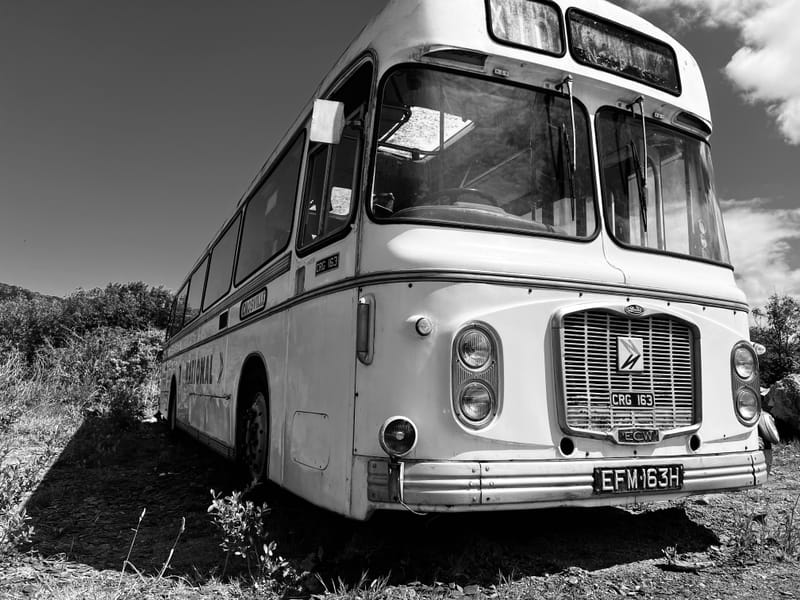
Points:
(766, 68)
(711, 13)
(760, 238)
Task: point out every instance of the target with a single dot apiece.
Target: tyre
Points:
(254, 435)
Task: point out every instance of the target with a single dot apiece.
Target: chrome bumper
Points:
(463, 486)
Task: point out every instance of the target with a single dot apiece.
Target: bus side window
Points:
(332, 173)
(180, 308)
(326, 207)
(221, 266)
(195, 297)
(268, 214)
(171, 326)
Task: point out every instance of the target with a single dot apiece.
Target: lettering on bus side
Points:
(253, 304)
(199, 371)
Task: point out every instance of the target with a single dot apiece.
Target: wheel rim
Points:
(255, 437)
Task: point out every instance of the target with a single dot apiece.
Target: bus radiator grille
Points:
(590, 373)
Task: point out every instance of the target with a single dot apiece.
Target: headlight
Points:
(398, 436)
(747, 404)
(745, 384)
(474, 348)
(476, 402)
(744, 361)
(477, 375)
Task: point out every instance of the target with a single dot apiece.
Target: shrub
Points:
(29, 324)
(777, 327)
(245, 536)
(109, 371)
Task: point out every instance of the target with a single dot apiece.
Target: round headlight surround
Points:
(745, 363)
(477, 403)
(475, 348)
(389, 432)
(747, 406)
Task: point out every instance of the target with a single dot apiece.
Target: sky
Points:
(130, 129)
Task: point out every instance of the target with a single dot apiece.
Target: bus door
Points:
(322, 324)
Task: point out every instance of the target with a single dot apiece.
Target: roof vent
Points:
(467, 57)
(689, 120)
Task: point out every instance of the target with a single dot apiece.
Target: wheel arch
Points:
(253, 372)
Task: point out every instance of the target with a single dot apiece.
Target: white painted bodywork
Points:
(326, 408)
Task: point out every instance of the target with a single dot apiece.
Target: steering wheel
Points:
(453, 193)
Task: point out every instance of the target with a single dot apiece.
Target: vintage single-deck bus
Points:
(485, 269)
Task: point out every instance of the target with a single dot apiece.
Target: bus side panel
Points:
(203, 395)
(319, 421)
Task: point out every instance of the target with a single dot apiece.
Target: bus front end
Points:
(547, 311)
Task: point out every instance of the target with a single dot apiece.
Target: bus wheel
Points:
(255, 442)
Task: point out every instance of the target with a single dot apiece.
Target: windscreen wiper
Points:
(641, 184)
(570, 154)
(570, 164)
(641, 167)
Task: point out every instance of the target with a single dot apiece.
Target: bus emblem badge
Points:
(634, 310)
(630, 351)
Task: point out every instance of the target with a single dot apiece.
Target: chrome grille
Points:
(589, 350)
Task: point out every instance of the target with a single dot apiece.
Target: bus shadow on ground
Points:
(478, 548)
(91, 501)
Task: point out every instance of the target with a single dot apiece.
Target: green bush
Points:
(29, 324)
(241, 523)
(111, 371)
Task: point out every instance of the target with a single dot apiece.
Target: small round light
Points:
(474, 348)
(747, 404)
(476, 402)
(759, 348)
(744, 361)
(424, 326)
(398, 436)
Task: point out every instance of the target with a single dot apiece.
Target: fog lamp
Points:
(398, 436)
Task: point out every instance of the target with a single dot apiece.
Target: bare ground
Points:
(88, 503)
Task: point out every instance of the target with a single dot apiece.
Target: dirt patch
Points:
(87, 505)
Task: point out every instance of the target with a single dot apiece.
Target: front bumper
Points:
(445, 486)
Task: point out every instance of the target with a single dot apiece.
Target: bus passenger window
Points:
(221, 266)
(196, 284)
(268, 214)
(178, 311)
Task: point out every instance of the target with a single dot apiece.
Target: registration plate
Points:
(643, 478)
(632, 399)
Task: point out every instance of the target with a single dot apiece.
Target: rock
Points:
(471, 590)
(783, 402)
